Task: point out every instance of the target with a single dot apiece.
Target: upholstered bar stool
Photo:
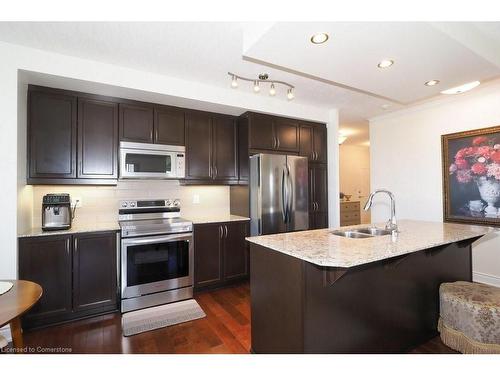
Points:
(470, 317)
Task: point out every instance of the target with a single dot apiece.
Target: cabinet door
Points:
(207, 254)
(261, 133)
(287, 134)
(97, 139)
(136, 123)
(243, 155)
(320, 187)
(320, 144)
(235, 257)
(169, 126)
(306, 142)
(46, 261)
(319, 220)
(52, 135)
(198, 146)
(224, 148)
(94, 271)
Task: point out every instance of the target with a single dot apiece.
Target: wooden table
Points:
(19, 299)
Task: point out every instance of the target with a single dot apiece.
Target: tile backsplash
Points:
(100, 203)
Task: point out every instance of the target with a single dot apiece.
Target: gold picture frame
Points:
(463, 199)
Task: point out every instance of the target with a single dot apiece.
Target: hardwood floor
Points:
(226, 329)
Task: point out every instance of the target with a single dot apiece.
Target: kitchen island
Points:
(315, 292)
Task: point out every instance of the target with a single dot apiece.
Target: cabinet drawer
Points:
(349, 206)
(349, 215)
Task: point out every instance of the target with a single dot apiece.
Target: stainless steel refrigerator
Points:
(279, 192)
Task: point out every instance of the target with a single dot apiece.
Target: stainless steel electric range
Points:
(156, 253)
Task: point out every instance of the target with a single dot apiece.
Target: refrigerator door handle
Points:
(289, 194)
(284, 197)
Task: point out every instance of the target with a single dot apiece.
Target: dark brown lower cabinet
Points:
(78, 275)
(220, 253)
(94, 271)
(318, 196)
(46, 261)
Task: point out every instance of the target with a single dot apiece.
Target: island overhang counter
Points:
(314, 292)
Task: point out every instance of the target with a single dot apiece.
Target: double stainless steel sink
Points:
(361, 232)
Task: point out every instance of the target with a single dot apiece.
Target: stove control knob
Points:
(168, 202)
(132, 204)
(177, 203)
(124, 204)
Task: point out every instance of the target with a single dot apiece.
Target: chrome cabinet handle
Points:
(221, 232)
(68, 245)
(215, 172)
(225, 227)
(277, 142)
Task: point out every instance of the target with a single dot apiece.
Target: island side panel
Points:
(277, 298)
(388, 306)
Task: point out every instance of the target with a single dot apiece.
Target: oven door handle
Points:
(160, 239)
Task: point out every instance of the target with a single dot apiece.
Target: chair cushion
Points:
(471, 310)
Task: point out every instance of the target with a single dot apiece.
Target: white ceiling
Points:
(339, 74)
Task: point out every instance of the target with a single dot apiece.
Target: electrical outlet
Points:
(77, 201)
(196, 199)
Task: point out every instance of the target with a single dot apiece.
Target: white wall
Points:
(14, 198)
(354, 175)
(406, 159)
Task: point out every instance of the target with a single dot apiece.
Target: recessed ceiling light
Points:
(319, 38)
(432, 82)
(462, 88)
(385, 63)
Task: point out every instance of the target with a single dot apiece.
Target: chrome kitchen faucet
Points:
(391, 223)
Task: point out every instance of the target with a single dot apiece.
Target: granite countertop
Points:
(325, 249)
(207, 219)
(75, 228)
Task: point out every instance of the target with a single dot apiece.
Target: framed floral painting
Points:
(471, 176)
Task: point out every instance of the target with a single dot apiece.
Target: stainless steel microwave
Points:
(145, 160)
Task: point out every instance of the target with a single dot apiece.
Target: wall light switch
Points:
(196, 198)
(77, 201)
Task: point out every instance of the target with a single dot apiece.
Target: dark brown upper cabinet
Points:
(198, 146)
(313, 142)
(136, 122)
(287, 134)
(52, 122)
(211, 148)
(261, 132)
(72, 138)
(224, 148)
(97, 138)
(169, 126)
(274, 133)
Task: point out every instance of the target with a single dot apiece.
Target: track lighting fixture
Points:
(263, 79)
